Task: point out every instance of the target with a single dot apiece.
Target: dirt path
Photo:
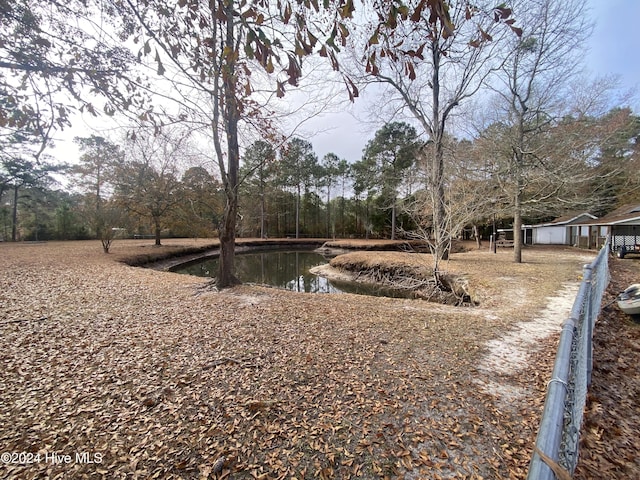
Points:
(514, 352)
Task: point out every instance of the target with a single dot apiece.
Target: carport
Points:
(623, 224)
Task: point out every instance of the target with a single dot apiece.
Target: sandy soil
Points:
(154, 374)
(512, 352)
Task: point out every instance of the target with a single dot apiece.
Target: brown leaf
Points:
(558, 470)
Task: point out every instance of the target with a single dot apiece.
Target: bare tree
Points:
(472, 193)
(430, 68)
(148, 179)
(533, 84)
(109, 218)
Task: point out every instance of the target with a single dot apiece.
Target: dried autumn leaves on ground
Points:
(149, 374)
(611, 426)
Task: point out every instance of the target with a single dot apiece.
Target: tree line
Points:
(153, 185)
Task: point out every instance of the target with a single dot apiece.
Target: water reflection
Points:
(283, 269)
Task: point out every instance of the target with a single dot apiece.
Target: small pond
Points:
(283, 269)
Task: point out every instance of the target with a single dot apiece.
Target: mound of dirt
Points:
(409, 272)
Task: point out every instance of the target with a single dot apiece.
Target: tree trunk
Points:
(517, 226)
(263, 233)
(367, 221)
(106, 243)
(226, 271)
(441, 238)
(298, 212)
(342, 206)
(14, 215)
(517, 201)
(393, 220)
(99, 207)
(280, 231)
(157, 231)
(477, 235)
(328, 210)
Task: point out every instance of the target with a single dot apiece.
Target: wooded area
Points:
(149, 189)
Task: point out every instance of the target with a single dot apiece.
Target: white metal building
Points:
(561, 231)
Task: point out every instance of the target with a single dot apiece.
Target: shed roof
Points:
(627, 214)
(571, 219)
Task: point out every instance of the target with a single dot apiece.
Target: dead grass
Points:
(383, 260)
(411, 273)
(162, 377)
(370, 244)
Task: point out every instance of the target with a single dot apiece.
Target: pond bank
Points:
(411, 274)
(381, 267)
(167, 258)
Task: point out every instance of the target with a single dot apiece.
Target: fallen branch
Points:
(256, 405)
(41, 319)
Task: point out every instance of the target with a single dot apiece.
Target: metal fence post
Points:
(588, 323)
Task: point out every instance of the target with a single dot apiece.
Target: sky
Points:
(614, 48)
(615, 44)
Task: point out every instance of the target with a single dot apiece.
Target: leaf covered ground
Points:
(611, 424)
(152, 374)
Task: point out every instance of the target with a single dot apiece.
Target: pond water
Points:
(282, 269)
(288, 269)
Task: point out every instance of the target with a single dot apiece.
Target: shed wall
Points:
(550, 235)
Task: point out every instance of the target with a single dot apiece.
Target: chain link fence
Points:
(559, 431)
